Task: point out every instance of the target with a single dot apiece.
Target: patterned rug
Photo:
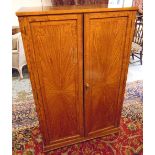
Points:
(27, 139)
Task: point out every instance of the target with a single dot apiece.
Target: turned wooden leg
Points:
(141, 57)
(132, 56)
(20, 73)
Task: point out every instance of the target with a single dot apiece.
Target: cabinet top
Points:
(47, 10)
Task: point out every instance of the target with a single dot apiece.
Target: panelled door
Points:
(105, 65)
(57, 45)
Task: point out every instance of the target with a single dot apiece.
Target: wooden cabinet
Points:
(78, 59)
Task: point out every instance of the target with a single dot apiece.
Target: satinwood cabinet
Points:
(78, 59)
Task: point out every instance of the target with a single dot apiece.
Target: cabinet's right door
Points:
(107, 40)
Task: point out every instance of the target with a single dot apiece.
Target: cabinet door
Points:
(57, 55)
(107, 42)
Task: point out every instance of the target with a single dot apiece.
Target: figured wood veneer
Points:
(105, 36)
(78, 60)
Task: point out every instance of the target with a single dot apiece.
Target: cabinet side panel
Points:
(30, 58)
(126, 60)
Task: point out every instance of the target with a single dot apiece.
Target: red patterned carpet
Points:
(27, 139)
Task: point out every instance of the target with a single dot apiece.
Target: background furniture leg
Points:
(141, 57)
(132, 56)
(20, 73)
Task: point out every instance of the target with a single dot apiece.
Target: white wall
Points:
(127, 3)
(119, 3)
(16, 4)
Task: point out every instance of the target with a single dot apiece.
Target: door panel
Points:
(57, 43)
(104, 53)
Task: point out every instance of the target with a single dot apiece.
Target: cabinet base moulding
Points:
(51, 147)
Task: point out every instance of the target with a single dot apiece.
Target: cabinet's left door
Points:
(53, 46)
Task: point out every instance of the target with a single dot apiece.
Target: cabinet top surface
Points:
(44, 10)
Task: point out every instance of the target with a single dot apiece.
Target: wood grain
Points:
(105, 55)
(49, 10)
(58, 58)
(78, 67)
(56, 47)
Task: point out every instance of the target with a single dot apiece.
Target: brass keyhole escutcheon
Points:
(87, 86)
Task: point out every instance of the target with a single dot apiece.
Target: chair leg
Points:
(141, 57)
(132, 56)
(20, 73)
